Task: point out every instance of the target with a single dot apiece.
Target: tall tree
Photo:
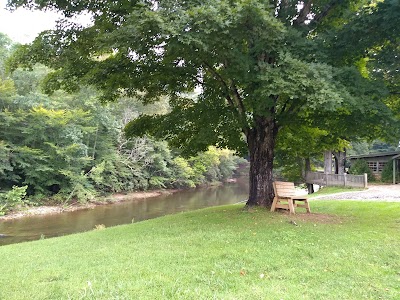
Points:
(258, 66)
(5, 47)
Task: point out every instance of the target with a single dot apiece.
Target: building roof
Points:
(393, 154)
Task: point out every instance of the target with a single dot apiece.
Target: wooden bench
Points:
(285, 197)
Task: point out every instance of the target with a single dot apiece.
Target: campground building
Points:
(377, 161)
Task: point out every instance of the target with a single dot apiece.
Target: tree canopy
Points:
(66, 147)
(257, 66)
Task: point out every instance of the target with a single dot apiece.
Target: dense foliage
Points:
(12, 199)
(259, 67)
(360, 167)
(364, 147)
(387, 172)
(68, 147)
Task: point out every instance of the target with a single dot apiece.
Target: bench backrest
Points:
(284, 189)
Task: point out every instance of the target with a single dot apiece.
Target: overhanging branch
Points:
(234, 100)
(237, 98)
(324, 12)
(303, 15)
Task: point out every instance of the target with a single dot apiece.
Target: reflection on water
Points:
(35, 227)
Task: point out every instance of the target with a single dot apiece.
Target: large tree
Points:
(257, 66)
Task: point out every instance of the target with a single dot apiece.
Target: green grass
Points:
(333, 190)
(344, 250)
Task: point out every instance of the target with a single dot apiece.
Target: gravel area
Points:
(373, 193)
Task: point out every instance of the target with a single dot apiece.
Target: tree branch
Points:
(224, 84)
(198, 80)
(235, 102)
(394, 92)
(324, 12)
(305, 11)
(291, 109)
(281, 6)
(284, 107)
(238, 99)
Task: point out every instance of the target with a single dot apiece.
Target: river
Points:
(135, 210)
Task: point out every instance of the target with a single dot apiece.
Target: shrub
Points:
(359, 167)
(387, 172)
(12, 198)
(227, 164)
(183, 174)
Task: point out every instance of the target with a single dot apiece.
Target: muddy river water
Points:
(135, 210)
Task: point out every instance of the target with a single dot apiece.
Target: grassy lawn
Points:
(328, 190)
(344, 250)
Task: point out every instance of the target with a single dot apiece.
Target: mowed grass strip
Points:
(334, 190)
(344, 250)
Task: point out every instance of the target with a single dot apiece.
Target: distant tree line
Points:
(67, 147)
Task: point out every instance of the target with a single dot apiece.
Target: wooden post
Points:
(327, 165)
(365, 180)
(328, 162)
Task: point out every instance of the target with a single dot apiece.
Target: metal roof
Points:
(395, 154)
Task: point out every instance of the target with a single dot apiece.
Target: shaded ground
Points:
(373, 193)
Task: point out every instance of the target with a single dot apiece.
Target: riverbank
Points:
(26, 211)
(218, 253)
(124, 210)
(22, 212)
(373, 193)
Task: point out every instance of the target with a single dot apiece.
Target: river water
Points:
(36, 227)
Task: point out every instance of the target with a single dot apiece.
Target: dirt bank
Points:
(56, 209)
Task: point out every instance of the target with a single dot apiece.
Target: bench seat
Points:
(286, 198)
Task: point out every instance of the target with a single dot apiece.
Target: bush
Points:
(359, 167)
(12, 198)
(214, 165)
(183, 174)
(387, 172)
(227, 164)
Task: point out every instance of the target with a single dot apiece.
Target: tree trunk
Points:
(336, 163)
(340, 159)
(261, 141)
(307, 167)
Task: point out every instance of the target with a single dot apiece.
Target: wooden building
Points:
(377, 161)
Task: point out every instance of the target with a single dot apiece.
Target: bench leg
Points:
(273, 206)
(304, 204)
(291, 206)
(307, 206)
